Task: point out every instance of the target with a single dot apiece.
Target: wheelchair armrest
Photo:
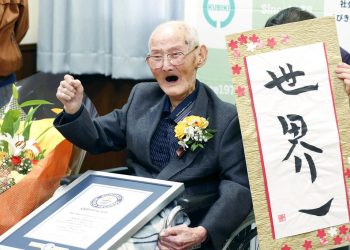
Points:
(190, 204)
(118, 170)
(193, 203)
(68, 179)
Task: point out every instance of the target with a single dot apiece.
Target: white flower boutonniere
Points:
(193, 132)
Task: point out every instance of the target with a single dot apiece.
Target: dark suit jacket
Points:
(345, 56)
(220, 166)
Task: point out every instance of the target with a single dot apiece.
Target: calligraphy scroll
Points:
(294, 132)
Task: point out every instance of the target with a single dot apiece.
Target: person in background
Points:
(145, 127)
(14, 23)
(295, 14)
(343, 72)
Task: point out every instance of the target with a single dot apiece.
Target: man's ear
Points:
(202, 55)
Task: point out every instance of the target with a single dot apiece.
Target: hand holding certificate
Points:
(98, 211)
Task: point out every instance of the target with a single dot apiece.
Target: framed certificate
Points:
(97, 211)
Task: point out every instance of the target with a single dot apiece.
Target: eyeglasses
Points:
(176, 59)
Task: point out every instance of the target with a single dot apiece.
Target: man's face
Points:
(177, 82)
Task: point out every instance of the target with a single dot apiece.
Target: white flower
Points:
(190, 131)
(251, 46)
(17, 144)
(16, 176)
(182, 144)
(333, 231)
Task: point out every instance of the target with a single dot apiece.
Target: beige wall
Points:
(32, 33)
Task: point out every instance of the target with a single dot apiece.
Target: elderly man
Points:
(145, 127)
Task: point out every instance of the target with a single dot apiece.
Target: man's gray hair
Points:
(191, 34)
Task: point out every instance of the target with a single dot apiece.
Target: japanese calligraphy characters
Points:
(299, 131)
(285, 78)
(298, 139)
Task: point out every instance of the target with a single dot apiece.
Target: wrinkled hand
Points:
(343, 72)
(70, 93)
(181, 237)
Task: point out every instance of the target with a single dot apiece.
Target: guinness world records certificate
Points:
(97, 211)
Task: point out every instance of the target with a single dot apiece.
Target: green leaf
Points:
(209, 136)
(196, 145)
(5, 146)
(211, 131)
(41, 155)
(29, 116)
(16, 124)
(26, 131)
(8, 125)
(34, 103)
(14, 92)
(28, 122)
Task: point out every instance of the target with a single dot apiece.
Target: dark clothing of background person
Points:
(296, 14)
(345, 56)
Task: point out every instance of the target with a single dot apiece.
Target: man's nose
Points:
(167, 64)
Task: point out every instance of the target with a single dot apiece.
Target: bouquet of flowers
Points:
(18, 152)
(193, 132)
(33, 159)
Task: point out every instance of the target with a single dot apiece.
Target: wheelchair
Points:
(243, 238)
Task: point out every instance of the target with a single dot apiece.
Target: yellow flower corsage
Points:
(193, 132)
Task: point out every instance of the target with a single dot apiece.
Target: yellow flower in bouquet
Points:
(18, 152)
(193, 132)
